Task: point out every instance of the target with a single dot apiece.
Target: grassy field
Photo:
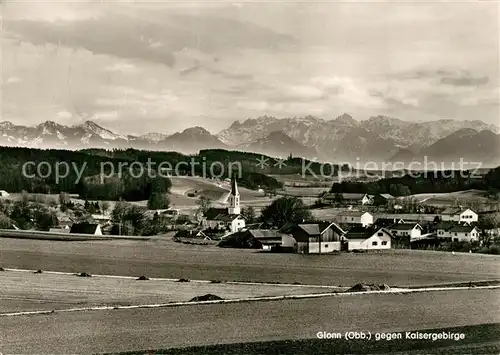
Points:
(201, 325)
(448, 199)
(304, 191)
(27, 291)
(164, 258)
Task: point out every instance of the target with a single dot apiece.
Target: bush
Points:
(493, 249)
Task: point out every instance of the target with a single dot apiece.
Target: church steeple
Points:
(234, 198)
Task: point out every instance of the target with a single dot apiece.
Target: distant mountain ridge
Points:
(342, 139)
(466, 146)
(278, 144)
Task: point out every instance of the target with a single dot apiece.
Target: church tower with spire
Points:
(234, 198)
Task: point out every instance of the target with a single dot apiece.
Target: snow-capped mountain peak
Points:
(94, 128)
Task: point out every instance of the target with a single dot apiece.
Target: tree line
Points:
(434, 182)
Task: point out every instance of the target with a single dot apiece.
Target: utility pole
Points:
(319, 239)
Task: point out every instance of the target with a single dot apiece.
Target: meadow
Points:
(209, 324)
(160, 257)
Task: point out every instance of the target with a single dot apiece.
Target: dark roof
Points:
(404, 226)
(264, 234)
(212, 213)
(454, 210)
(226, 217)
(84, 228)
(320, 227)
(349, 196)
(359, 232)
(445, 225)
(310, 229)
(462, 229)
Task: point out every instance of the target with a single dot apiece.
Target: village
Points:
(356, 226)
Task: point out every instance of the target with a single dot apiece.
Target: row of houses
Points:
(452, 214)
(322, 238)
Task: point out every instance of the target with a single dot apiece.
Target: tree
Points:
(338, 198)
(158, 201)
(129, 219)
(5, 222)
(204, 204)
(46, 220)
(104, 207)
(285, 210)
(64, 198)
(399, 190)
(249, 214)
(21, 215)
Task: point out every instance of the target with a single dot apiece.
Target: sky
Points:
(163, 66)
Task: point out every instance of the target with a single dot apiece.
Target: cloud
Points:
(13, 80)
(147, 35)
(64, 115)
(121, 67)
(151, 66)
(465, 81)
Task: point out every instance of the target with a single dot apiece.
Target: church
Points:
(226, 218)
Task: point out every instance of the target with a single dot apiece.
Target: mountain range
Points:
(342, 139)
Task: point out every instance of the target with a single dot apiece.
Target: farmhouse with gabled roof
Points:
(459, 214)
(317, 237)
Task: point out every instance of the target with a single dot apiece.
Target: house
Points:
(412, 230)
(270, 239)
(459, 214)
(200, 234)
(360, 238)
(464, 233)
(442, 229)
(226, 218)
(317, 238)
(101, 219)
(4, 193)
(367, 199)
(355, 217)
(86, 228)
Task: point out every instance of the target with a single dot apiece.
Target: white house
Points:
(458, 214)
(355, 217)
(412, 230)
(230, 218)
(464, 233)
(4, 193)
(369, 239)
